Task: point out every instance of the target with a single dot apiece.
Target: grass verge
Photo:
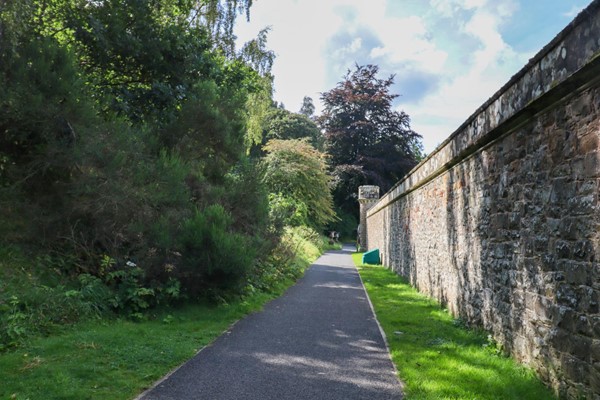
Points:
(114, 359)
(436, 357)
(118, 359)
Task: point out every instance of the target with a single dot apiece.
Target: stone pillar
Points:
(367, 197)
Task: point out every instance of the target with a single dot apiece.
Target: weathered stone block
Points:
(588, 187)
(565, 170)
(569, 228)
(582, 205)
(540, 243)
(563, 189)
(583, 250)
(595, 351)
(590, 165)
(579, 346)
(559, 339)
(580, 106)
(566, 318)
(583, 326)
(576, 273)
(548, 262)
(543, 307)
(595, 382)
(595, 322)
(587, 299)
(553, 278)
(567, 296)
(563, 249)
(589, 143)
(575, 369)
(577, 391)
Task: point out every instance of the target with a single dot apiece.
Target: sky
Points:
(448, 56)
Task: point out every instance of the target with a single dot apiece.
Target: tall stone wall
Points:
(502, 222)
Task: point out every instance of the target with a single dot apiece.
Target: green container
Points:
(371, 257)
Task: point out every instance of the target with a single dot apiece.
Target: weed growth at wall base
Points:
(436, 357)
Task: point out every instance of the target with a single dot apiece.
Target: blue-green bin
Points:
(371, 257)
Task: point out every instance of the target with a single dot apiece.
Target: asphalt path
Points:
(318, 341)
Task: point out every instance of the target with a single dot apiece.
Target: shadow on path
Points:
(318, 341)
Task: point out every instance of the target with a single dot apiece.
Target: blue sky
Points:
(448, 56)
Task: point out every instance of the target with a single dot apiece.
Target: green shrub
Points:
(214, 258)
(290, 211)
(296, 173)
(37, 309)
(298, 248)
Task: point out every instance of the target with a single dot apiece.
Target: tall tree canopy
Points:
(280, 123)
(308, 107)
(296, 175)
(367, 140)
(124, 123)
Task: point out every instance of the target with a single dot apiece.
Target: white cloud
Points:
(449, 8)
(574, 11)
(407, 40)
(355, 45)
(455, 47)
(297, 38)
(490, 64)
(484, 27)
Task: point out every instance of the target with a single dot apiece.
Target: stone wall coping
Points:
(574, 49)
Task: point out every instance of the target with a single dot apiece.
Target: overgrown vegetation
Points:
(435, 355)
(145, 165)
(98, 359)
(296, 174)
(126, 177)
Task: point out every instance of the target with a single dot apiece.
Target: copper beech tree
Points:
(367, 140)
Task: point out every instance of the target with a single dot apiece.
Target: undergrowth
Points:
(38, 299)
(72, 347)
(115, 359)
(35, 299)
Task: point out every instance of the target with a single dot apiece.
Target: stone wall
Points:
(502, 222)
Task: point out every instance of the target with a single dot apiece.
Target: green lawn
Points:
(435, 356)
(116, 359)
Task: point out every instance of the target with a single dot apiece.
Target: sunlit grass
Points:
(114, 359)
(118, 359)
(435, 356)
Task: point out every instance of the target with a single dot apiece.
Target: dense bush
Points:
(346, 225)
(296, 175)
(124, 163)
(37, 299)
(119, 140)
(298, 247)
(213, 257)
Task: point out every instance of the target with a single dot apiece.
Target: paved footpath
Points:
(318, 341)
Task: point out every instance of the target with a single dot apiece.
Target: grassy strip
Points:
(118, 359)
(436, 357)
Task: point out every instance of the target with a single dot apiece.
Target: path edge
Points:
(381, 331)
(177, 368)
